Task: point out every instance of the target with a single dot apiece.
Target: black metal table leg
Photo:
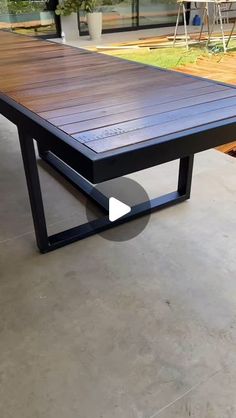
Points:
(185, 175)
(34, 189)
(74, 178)
(41, 150)
(48, 243)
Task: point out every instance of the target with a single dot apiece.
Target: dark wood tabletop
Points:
(108, 105)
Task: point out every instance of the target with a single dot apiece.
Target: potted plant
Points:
(68, 10)
(94, 19)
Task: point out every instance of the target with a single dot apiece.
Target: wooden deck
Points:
(219, 68)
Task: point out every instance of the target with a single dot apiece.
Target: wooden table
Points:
(96, 118)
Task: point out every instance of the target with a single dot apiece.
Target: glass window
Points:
(157, 12)
(31, 17)
(116, 14)
(125, 14)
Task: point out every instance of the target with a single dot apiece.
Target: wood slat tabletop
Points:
(103, 102)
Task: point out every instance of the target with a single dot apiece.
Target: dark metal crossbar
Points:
(48, 243)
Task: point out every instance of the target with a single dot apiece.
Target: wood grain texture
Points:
(103, 102)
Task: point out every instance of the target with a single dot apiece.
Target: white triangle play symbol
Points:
(117, 209)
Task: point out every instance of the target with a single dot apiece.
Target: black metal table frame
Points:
(82, 167)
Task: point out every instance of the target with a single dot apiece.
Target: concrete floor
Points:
(139, 329)
(132, 36)
(127, 36)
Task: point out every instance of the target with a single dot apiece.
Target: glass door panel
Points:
(157, 12)
(117, 14)
(30, 17)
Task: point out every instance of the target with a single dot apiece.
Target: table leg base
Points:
(48, 243)
(99, 225)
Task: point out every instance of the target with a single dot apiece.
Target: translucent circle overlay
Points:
(127, 191)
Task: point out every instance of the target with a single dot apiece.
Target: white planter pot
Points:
(94, 21)
(69, 27)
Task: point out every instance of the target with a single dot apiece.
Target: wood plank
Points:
(105, 130)
(121, 96)
(135, 137)
(116, 114)
(227, 147)
(105, 90)
(75, 84)
(46, 77)
(164, 95)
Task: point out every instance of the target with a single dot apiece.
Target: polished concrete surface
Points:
(132, 36)
(140, 329)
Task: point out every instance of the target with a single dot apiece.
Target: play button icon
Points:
(118, 198)
(117, 209)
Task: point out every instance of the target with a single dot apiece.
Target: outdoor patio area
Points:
(108, 39)
(142, 328)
